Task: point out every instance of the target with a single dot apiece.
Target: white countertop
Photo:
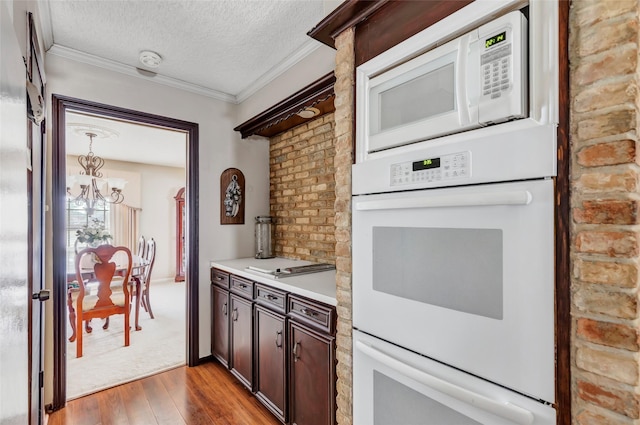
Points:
(316, 286)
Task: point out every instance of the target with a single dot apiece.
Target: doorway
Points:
(61, 105)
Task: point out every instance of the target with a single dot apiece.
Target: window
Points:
(77, 217)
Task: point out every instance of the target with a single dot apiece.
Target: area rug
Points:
(159, 346)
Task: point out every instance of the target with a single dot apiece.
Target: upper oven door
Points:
(464, 276)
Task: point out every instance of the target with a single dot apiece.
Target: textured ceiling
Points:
(222, 46)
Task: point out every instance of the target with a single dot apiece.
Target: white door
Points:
(14, 235)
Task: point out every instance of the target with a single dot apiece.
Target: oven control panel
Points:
(446, 167)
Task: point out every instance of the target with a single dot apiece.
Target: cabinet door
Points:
(242, 340)
(312, 376)
(270, 352)
(220, 328)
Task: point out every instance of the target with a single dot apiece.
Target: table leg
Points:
(72, 316)
(138, 289)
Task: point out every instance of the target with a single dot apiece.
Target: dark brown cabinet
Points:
(220, 316)
(241, 329)
(312, 363)
(279, 345)
(270, 351)
(241, 338)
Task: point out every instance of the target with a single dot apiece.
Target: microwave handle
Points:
(505, 410)
(516, 197)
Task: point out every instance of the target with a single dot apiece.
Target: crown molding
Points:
(258, 84)
(89, 59)
(307, 48)
(44, 14)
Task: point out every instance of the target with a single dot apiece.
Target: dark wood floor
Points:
(205, 394)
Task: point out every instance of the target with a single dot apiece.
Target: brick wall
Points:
(345, 91)
(605, 203)
(302, 191)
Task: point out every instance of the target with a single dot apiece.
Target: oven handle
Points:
(506, 410)
(516, 197)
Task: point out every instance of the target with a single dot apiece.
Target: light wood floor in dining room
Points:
(205, 394)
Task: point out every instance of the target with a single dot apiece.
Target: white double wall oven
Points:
(453, 246)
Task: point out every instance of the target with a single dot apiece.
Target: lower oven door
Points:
(395, 386)
(464, 276)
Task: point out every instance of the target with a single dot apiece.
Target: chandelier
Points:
(91, 182)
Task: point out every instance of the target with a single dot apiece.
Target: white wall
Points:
(151, 188)
(158, 216)
(219, 148)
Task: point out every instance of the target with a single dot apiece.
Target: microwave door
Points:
(423, 98)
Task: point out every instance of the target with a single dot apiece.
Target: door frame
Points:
(60, 105)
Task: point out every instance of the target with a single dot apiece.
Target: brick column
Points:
(605, 204)
(344, 89)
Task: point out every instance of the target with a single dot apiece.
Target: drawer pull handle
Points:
(295, 351)
(279, 339)
(243, 285)
(270, 297)
(219, 278)
(308, 312)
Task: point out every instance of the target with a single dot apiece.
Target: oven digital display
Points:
(426, 164)
(495, 39)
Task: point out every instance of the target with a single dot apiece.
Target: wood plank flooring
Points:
(206, 394)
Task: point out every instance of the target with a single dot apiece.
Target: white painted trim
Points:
(89, 59)
(44, 12)
(306, 49)
(261, 82)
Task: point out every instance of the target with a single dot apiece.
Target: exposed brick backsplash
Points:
(302, 191)
(604, 100)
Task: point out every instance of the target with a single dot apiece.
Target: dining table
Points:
(138, 267)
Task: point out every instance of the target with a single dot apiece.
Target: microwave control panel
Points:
(447, 167)
(496, 70)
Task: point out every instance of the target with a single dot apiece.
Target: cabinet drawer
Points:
(242, 287)
(271, 297)
(220, 278)
(320, 316)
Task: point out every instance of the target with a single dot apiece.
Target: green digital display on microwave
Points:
(495, 39)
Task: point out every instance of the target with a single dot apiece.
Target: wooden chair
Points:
(106, 294)
(142, 247)
(146, 278)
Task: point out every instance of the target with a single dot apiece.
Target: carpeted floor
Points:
(159, 346)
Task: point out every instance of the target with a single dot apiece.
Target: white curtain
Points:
(125, 221)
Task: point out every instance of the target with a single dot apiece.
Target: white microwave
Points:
(475, 80)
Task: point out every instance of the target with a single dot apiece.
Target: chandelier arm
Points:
(90, 194)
